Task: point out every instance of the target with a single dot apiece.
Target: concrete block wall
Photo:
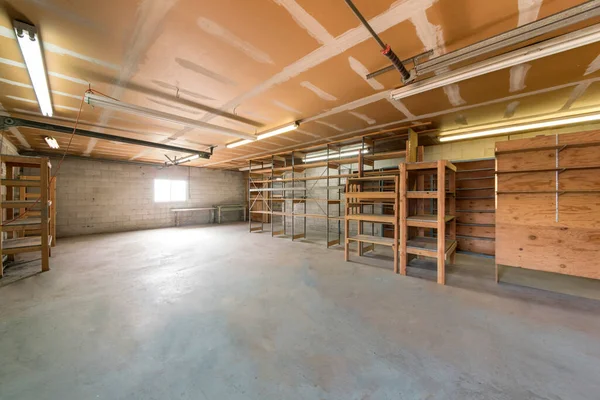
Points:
(100, 196)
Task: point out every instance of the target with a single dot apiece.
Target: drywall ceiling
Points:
(274, 62)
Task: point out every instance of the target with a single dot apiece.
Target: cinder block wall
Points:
(98, 196)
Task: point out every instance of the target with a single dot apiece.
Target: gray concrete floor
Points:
(214, 312)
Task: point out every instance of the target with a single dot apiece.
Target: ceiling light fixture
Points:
(549, 47)
(29, 42)
(106, 102)
(335, 156)
(186, 159)
(268, 134)
(51, 142)
(521, 128)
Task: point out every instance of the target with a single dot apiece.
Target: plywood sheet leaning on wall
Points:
(475, 206)
(548, 203)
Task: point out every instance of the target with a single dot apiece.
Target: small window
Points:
(169, 190)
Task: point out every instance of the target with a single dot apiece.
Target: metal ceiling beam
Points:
(7, 122)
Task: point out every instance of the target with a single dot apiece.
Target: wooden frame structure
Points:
(416, 216)
(17, 225)
(369, 192)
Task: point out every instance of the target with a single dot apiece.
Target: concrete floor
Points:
(214, 312)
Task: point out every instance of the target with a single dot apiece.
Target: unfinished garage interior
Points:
(300, 199)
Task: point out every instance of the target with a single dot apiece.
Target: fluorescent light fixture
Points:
(520, 128)
(546, 48)
(186, 159)
(335, 156)
(265, 135)
(29, 42)
(240, 143)
(106, 102)
(51, 142)
(278, 131)
(255, 167)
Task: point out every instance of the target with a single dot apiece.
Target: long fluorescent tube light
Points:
(29, 42)
(265, 135)
(240, 143)
(334, 157)
(51, 142)
(105, 102)
(520, 128)
(186, 159)
(549, 47)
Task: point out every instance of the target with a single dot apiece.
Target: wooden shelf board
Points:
(426, 194)
(386, 155)
(371, 195)
(373, 239)
(371, 218)
(432, 165)
(23, 245)
(20, 183)
(428, 246)
(474, 170)
(372, 178)
(481, 188)
(22, 204)
(426, 220)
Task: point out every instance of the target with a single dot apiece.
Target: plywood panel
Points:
(554, 232)
(482, 231)
(475, 245)
(552, 249)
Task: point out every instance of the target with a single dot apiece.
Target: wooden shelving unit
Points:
(19, 224)
(432, 209)
(287, 188)
(475, 206)
(367, 192)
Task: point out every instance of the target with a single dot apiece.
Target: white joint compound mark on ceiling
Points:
(398, 105)
(55, 74)
(453, 93)
(362, 71)
(166, 104)
(306, 21)
(52, 48)
(305, 132)
(432, 38)
(286, 107)
(577, 92)
(511, 108)
(351, 106)
(150, 15)
(255, 115)
(140, 154)
(363, 117)
(216, 30)
(528, 11)
(593, 67)
(66, 108)
(22, 99)
(319, 92)
(399, 11)
(91, 144)
(332, 126)
(17, 134)
(518, 73)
